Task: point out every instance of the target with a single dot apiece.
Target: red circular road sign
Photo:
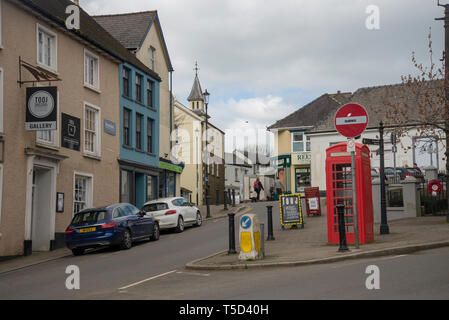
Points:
(351, 120)
(434, 187)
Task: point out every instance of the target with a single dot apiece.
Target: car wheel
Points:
(78, 252)
(180, 226)
(127, 240)
(199, 219)
(156, 232)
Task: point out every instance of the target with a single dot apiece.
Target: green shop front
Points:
(168, 177)
(294, 171)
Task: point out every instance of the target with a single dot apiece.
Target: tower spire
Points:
(196, 68)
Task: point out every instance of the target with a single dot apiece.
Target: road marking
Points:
(377, 259)
(194, 273)
(145, 280)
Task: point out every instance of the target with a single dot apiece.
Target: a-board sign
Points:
(290, 209)
(313, 204)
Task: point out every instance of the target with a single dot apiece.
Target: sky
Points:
(263, 59)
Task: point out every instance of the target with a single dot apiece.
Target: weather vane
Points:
(196, 68)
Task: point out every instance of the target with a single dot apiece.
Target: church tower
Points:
(196, 98)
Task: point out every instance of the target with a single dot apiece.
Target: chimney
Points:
(77, 2)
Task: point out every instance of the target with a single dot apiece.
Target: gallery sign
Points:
(41, 108)
(70, 132)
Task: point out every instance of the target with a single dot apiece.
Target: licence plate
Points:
(87, 230)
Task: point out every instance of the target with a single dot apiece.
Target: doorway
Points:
(41, 209)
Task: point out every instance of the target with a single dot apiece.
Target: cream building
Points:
(45, 177)
(190, 136)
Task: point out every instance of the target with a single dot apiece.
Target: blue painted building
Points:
(139, 134)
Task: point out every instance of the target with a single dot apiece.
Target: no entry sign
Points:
(351, 120)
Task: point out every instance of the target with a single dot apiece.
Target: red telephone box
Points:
(339, 191)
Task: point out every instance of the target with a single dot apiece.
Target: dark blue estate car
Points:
(116, 225)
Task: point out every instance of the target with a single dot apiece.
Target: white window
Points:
(152, 58)
(1, 100)
(47, 43)
(82, 192)
(1, 23)
(92, 130)
(300, 142)
(1, 191)
(91, 70)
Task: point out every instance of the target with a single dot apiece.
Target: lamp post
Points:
(197, 133)
(206, 102)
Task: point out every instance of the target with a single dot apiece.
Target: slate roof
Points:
(374, 100)
(196, 94)
(314, 112)
(129, 28)
(90, 30)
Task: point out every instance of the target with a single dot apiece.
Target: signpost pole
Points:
(383, 203)
(354, 200)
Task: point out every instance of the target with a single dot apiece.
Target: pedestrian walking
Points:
(279, 187)
(258, 187)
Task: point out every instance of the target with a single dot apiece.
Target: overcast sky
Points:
(263, 59)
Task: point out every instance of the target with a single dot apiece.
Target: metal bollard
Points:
(233, 197)
(262, 240)
(225, 198)
(342, 228)
(231, 233)
(270, 223)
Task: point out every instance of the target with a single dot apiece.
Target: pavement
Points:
(295, 247)
(37, 258)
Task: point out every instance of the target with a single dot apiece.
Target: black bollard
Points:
(231, 233)
(225, 198)
(342, 228)
(233, 197)
(270, 223)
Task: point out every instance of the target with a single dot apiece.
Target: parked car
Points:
(116, 225)
(402, 173)
(173, 213)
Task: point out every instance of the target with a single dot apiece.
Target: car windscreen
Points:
(155, 207)
(89, 217)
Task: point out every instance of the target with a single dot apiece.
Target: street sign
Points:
(245, 222)
(393, 138)
(374, 142)
(351, 120)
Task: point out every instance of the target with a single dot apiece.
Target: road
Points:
(155, 270)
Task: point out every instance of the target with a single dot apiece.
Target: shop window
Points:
(82, 189)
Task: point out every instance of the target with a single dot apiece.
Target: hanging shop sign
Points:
(70, 132)
(41, 108)
(313, 204)
(290, 210)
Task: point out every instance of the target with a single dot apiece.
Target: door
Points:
(41, 233)
(342, 194)
(143, 226)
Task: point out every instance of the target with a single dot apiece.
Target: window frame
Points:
(138, 87)
(89, 189)
(306, 143)
(53, 67)
(129, 123)
(139, 125)
(126, 93)
(152, 58)
(150, 144)
(1, 95)
(55, 141)
(149, 93)
(97, 140)
(96, 73)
